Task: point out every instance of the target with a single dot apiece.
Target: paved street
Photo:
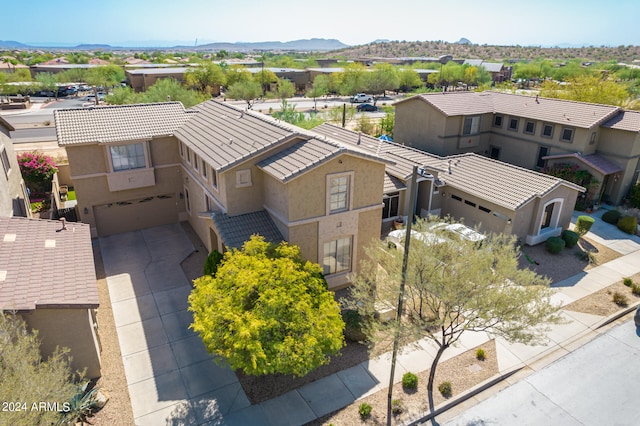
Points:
(597, 384)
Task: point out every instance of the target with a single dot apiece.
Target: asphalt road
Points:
(597, 384)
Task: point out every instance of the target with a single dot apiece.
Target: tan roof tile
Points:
(626, 120)
(37, 276)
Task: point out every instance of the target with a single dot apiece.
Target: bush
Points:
(612, 216)
(628, 282)
(628, 224)
(583, 224)
(554, 245)
(353, 326)
(635, 289)
(634, 196)
(212, 263)
(365, 410)
(37, 169)
(570, 238)
(396, 407)
(620, 299)
(445, 389)
(481, 355)
(410, 381)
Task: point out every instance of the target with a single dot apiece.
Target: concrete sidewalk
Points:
(172, 379)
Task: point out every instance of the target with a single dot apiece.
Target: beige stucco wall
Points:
(473, 216)
(420, 126)
(13, 197)
(70, 328)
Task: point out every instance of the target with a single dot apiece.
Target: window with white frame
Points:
(181, 145)
(187, 200)
(471, 125)
(567, 134)
(196, 161)
(513, 124)
(497, 121)
(593, 138)
(214, 178)
(6, 166)
(530, 127)
(208, 203)
(391, 202)
(338, 193)
(337, 256)
(204, 169)
(127, 157)
(188, 155)
(547, 131)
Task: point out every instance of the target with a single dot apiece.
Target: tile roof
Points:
(601, 164)
(626, 120)
(569, 113)
(235, 230)
(227, 135)
(118, 123)
(42, 265)
(500, 183)
(392, 184)
(305, 155)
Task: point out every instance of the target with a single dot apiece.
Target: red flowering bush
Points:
(36, 168)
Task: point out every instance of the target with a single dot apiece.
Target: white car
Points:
(361, 97)
(397, 237)
(460, 230)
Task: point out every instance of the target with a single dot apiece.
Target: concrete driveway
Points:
(171, 378)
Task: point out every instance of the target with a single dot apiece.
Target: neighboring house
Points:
(14, 200)
(496, 196)
(47, 277)
(141, 79)
(229, 172)
(527, 131)
(499, 72)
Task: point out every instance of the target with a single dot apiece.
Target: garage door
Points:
(131, 215)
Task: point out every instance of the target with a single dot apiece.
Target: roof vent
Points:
(3, 275)
(9, 238)
(49, 243)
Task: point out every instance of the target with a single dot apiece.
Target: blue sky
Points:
(156, 22)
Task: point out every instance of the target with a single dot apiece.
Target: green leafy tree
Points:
(353, 79)
(237, 74)
(124, 96)
(247, 91)
(320, 88)
(26, 378)
(285, 89)
(452, 287)
(169, 89)
(409, 79)
(48, 82)
(588, 88)
(72, 75)
(105, 76)
(267, 311)
(265, 77)
(383, 77)
(207, 78)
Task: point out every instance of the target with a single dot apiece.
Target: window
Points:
(337, 256)
(188, 155)
(181, 145)
(484, 209)
(530, 127)
(208, 203)
(243, 178)
(543, 151)
(455, 197)
(513, 124)
(338, 194)
(391, 202)
(127, 157)
(547, 215)
(214, 178)
(547, 131)
(567, 134)
(471, 125)
(494, 152)
(5, 163)
(593, 138)
(497, 121)
(196, 161)
(204, 169)
(187, 200)
(470, 203)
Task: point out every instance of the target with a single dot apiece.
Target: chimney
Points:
(64, 224)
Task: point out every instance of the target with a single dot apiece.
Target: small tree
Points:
(247, 91)
(320, 88)
(453, 286)
(37, 169)
(267, 311)
(25, 378)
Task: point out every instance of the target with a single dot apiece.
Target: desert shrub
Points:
(587, 256)
(628, 282)
(212, 263)
(353, 326)
(583, 224)
(396, 407)
(635, 289)
(554, 245)
(365, 410)
(634, 196)
(620, 299)
(628, 224)
(409, 381)
(445, 389)
(570, 238)
(612, 216)
(481, 355)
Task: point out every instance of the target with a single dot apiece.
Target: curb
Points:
(467, 395)
(616, 316)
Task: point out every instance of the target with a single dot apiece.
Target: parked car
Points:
(361, 97)
(366, 107)
(461, 231)
(396, 238)
(636, 317)
(92, 97)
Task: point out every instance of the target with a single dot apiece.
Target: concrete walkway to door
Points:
(171, 377)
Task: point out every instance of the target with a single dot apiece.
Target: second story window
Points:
(497, 121)
(567, 134)
(471, 125)
(5, 163)
(530, 127)
(547, 131)
(127, 157)
(338, 194)
(513, 124)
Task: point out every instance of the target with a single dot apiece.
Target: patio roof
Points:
(236, 230)
(595, 161)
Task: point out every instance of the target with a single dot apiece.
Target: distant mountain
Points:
(314, 44)
(11, 43)
(92, 47)
(464, 41)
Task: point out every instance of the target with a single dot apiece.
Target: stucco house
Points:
(229, 172)
(493, 195)
(13, 191)
(527, 131)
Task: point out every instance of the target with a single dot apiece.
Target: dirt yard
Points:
(601, 302)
